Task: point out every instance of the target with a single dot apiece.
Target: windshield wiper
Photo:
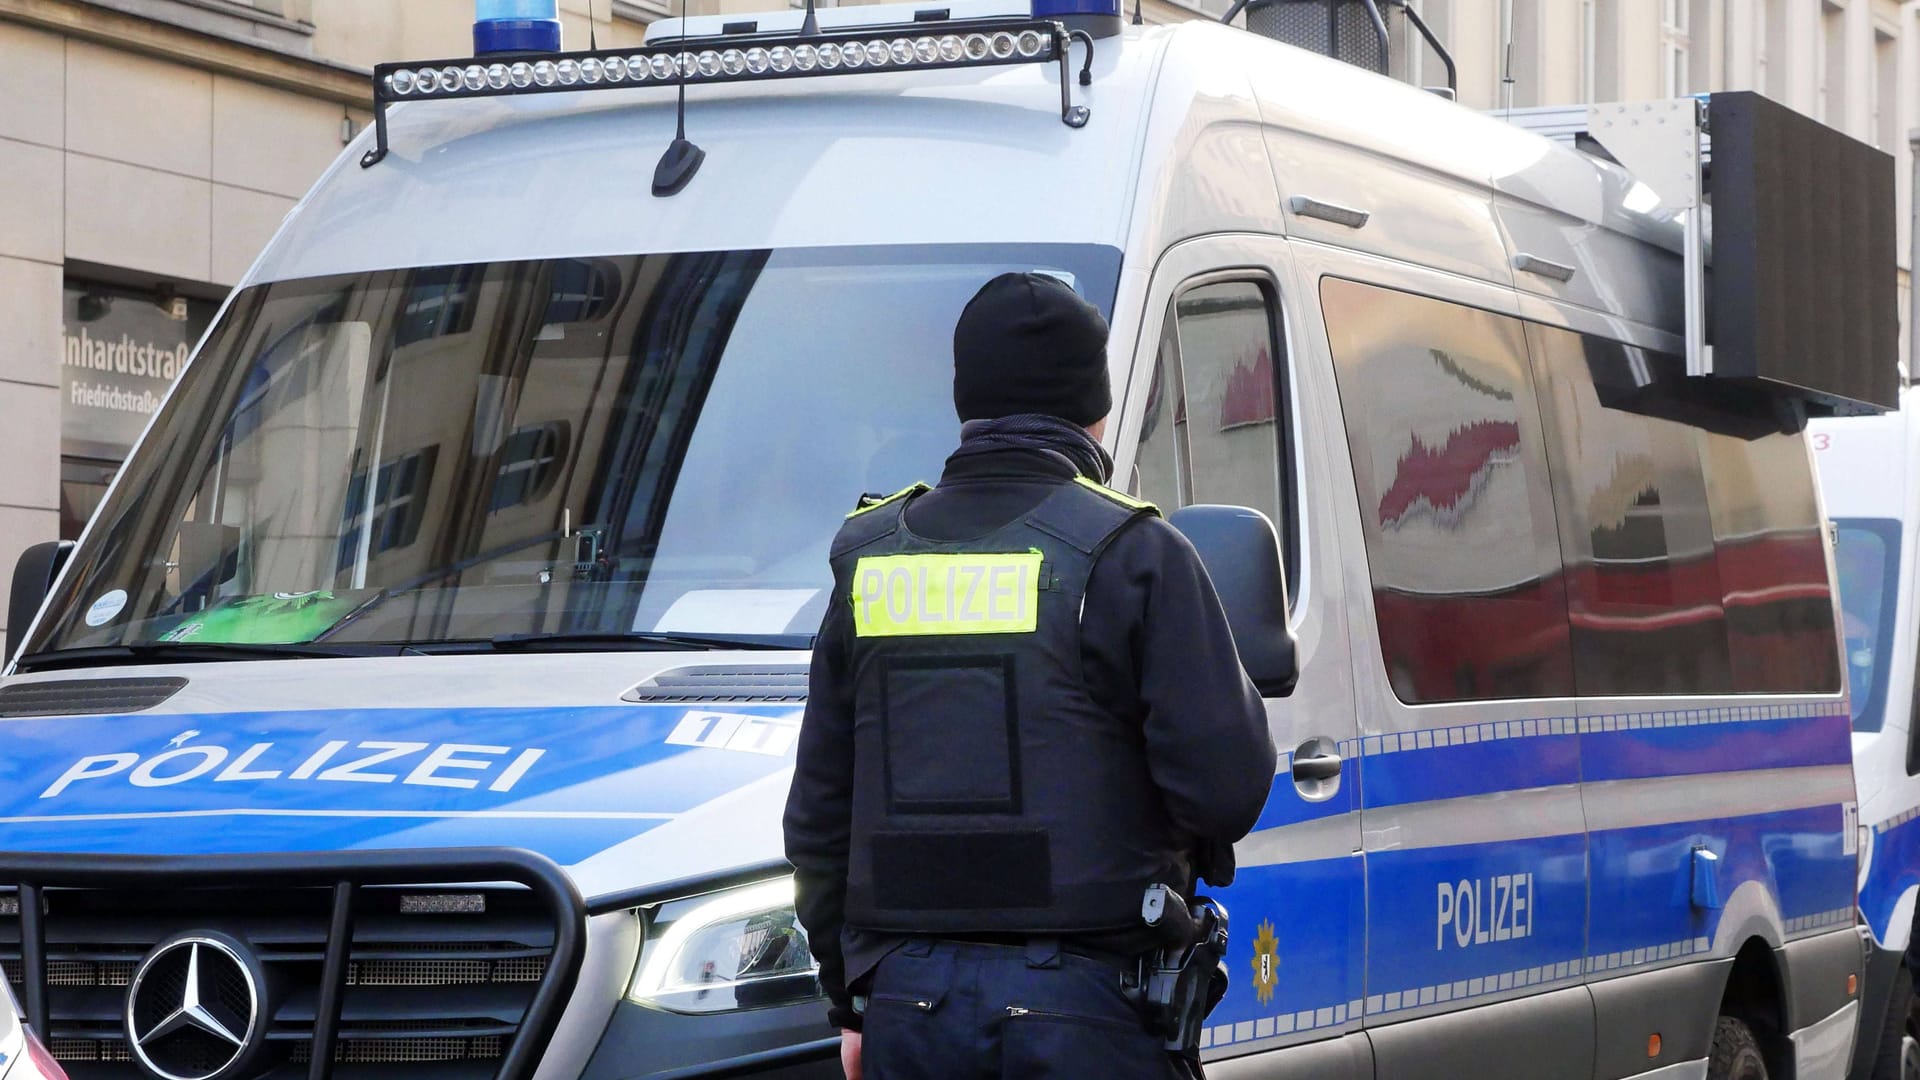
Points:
(187, 652)
(605, 642)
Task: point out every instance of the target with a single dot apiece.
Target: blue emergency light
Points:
(516, 26)
(1075, 9)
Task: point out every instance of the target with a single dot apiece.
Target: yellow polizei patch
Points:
(917, 595)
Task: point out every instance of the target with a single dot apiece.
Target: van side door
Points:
(1476, 846)
(1219, 412)
(1715, 744)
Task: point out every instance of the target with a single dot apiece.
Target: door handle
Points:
(1315, 767)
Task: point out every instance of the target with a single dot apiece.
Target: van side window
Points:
(1773, 571)
(1450, 467)
(1214, 430)
(1162, 458)
(1227, 354)
(1644, 594)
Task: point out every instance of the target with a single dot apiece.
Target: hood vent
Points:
(85, 697)
(755, 683)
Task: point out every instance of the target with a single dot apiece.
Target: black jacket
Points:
(1157, 649)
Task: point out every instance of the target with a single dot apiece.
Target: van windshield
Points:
(1866, 557)
(576, 448)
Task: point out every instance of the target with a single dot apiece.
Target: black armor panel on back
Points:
(991, 792)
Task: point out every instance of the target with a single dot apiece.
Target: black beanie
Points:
(1027, 343)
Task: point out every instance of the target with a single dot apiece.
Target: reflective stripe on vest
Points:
(919, 595)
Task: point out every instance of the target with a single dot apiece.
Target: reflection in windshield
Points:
(643, 444)
(1866, 560)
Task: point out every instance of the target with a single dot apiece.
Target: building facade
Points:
(149, 148)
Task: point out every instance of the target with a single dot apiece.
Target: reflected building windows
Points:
(395, 511)
(1643, 586)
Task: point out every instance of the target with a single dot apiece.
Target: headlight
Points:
(738, 949)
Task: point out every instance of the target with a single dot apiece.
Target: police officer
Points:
(1025, 708)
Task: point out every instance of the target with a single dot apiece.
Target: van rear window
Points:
(1644, 595)
(1539, 523)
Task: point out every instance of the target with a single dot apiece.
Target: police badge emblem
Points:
(1266, 963)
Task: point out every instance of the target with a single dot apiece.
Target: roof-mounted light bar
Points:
(740, 58)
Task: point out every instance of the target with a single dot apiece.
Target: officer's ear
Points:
(1098, 429)
(1241, 552)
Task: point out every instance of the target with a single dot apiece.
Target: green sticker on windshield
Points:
(269, 619)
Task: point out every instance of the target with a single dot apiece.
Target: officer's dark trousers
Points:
(962, 1011)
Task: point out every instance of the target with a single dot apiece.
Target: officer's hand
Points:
(850, 1053)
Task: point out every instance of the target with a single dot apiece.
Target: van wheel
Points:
(1898, 1056)
(1736, 1053)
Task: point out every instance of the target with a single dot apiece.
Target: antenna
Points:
(682, 158)
(809, 25)
(593, 45)
(1137, 20)
(1506, 77)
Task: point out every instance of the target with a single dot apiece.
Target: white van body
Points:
(1867, 476)
(1509, 879)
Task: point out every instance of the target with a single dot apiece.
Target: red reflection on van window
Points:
(1249, 398)
(1779, 611)
(1442, 479)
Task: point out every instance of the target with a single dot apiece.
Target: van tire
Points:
(1898, 1054)
(1736, 1053)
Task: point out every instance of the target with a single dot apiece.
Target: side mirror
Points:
(1241, 552)
(32, 580)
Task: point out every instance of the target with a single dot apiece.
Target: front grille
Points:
(396, 1042)
(454, 989)
(74, 972)
(80, 1051)
(445, 972)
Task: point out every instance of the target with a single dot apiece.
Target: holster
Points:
(1183, 981)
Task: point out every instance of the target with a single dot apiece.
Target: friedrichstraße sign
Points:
(121, 352)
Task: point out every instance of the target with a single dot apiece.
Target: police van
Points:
(422, 698)
(1866, 474)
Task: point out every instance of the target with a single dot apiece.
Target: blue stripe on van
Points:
(1447, 915)
(1311, 916)
(1488, 758)
(1716, 747)
(1480, 768)
(603, 774)
(1893, 869)
(1642, 876)
(1640, 916)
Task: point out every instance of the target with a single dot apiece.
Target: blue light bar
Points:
(516, 26)
(1067, 9)
(726, 58)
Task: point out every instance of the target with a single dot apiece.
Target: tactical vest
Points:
(991, 793)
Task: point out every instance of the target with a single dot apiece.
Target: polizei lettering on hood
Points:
(371, 761)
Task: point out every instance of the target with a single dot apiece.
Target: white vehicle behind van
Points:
(1870, 478)
(427, 683)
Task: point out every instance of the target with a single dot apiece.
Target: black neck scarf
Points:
(1037, 431)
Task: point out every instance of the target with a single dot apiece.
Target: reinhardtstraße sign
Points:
(121, 353)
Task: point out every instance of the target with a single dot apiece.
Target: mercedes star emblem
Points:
(194, 1008)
